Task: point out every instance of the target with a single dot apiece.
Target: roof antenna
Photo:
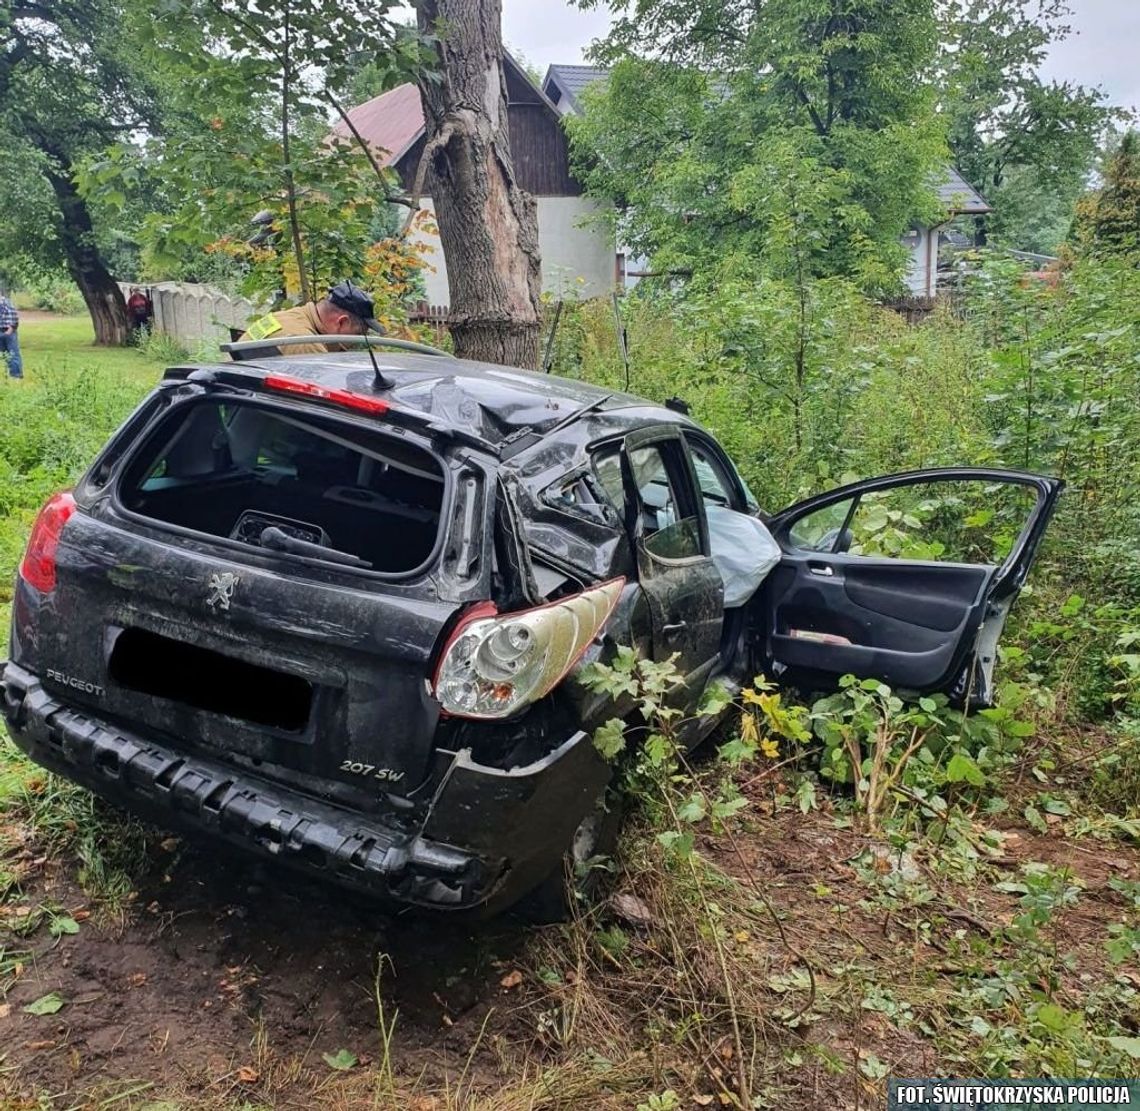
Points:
(379, 382)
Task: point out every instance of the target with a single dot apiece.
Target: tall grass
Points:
(72, 398)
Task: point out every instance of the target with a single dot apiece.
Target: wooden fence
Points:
(433, 316)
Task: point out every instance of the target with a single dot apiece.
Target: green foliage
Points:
(788, 141)
(1027, 143)
(1115, 781)
(72, 83)
(249, 90)
(893, 752)
(48, 289)
(1108, 220)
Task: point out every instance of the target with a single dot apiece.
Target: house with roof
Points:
(578, 252)
(958, 198)
(563, 85)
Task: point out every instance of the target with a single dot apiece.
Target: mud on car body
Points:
(334, 611)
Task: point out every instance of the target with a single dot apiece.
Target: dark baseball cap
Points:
(354, 300)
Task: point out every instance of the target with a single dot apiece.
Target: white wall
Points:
(578, 254)
(921, 277)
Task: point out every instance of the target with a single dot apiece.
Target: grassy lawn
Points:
(73, 396)
(68, 342)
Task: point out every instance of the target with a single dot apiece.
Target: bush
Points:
(809, 387)
(53, 291)
(1115, 783)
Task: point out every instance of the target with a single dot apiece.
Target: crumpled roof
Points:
(492, 402)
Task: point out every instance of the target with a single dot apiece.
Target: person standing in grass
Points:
(9, 339)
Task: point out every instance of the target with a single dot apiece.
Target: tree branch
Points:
(430, 150)
(389, 196)
(816, 120)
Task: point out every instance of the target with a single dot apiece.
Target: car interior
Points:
(297, 486)
(892, 583)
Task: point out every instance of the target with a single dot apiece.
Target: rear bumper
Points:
(488, 836)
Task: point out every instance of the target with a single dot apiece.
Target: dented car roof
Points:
(492, 402)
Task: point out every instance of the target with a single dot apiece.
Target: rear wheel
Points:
(582, 871)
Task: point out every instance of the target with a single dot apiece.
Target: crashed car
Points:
(334, 609)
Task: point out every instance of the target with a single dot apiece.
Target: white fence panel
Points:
(196, 315)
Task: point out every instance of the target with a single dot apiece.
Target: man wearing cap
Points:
(346, 311)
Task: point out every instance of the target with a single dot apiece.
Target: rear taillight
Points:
(346, 398)
(494, 666)
(38, 566)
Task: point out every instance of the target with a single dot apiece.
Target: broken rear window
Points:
(292, 485)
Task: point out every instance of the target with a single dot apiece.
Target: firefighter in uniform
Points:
(346, 311)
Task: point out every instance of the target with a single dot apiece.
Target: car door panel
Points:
(913, 623)
(930, 598)
(904, 625)
(679, 579)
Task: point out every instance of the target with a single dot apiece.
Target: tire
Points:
(553, 900)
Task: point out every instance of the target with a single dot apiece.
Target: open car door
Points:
(906, 578)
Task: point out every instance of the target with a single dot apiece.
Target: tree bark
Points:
(488, 225)
(100, 291)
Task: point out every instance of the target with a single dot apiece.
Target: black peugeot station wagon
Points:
(333, 608)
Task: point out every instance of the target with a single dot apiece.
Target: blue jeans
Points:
(10, 349)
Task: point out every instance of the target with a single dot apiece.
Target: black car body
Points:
(334, 612)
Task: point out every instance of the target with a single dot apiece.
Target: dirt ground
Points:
(224, 971)
(226, 984)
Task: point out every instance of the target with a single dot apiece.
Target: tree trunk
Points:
(287, 157)
(100, 291)
(488, 225)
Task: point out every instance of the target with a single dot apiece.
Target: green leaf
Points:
(1055, 1018)
(876, 520)
(609, 739)
(63, 924)
(962, 769)
(46, 1004)
(1020, 728)
(1009, 887)
(342, 1060)
(715, 699)
(728, 807)
(737, 751)
(680, 844)
(873, 1068)
(693, 810)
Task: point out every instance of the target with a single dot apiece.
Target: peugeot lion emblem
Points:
(221, 590)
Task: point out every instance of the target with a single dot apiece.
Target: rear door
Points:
(173, 614)
(906, 578)
(666, 522)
